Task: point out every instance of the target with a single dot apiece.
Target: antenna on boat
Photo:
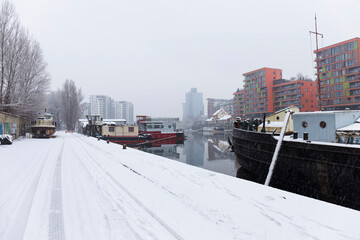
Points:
(317, 59)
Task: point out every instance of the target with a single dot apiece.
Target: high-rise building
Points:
(339, 74)
(266, 92)
(108, 108)
(124, 110)
(194, 106)
(239, 106)
(258, 95)
(102, 105)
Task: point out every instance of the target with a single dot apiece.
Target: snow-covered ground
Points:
(76, 187)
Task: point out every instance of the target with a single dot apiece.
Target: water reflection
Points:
(206, 151)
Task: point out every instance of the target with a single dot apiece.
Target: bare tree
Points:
(8, 23)
(54, 106)
(23, 77)
(71, 99)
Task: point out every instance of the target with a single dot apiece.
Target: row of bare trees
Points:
(66, 105)
(23, 76)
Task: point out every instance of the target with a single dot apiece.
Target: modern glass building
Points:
(194, 105)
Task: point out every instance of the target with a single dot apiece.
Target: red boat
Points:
(164, 129)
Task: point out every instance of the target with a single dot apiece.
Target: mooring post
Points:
(264, 128)
(278, 146)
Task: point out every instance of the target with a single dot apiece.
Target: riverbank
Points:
(81, 188)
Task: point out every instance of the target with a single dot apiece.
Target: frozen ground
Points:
(75, 187)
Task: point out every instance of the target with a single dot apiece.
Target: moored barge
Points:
(320, 166)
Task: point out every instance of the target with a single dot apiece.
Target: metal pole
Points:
(277, 149)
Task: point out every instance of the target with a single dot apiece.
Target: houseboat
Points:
(113, 130)
(123, 134)
(316, 159)
(44, 126)
(159, 128)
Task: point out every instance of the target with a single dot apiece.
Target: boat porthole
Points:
(304, 124)
(169, 126)
(277, 118)
(323, 124)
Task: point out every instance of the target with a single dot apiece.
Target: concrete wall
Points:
(13, 125)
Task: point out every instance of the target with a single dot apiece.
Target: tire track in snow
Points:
(18, 224)
(56, 220)
(114, 212)
(136, 200)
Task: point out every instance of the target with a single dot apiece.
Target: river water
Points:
(207, 151)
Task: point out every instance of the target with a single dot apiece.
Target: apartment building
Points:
(239, 106)
(258, 86)
(299, 93)
(265, 91)
(339, 74)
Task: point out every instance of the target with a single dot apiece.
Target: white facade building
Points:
(124, 110)
(108, 108)
(102, 105)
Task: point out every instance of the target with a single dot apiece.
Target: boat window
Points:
(277, 118)
(111, 129)
(323, 124)
(149, 126)
(304, 124)
(131, 129)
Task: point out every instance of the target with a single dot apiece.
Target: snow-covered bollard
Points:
(107, 141)
(124, 146)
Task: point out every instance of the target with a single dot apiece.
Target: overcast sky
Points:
(151, 52)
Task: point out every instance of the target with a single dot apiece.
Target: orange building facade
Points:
(258, 95)
(265, 91)
(339, 74)
(300, 93)
(238, 108)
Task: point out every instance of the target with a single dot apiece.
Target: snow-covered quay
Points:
(76, 187)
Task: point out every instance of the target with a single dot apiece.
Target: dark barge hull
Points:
(325, 172)
(143, 141)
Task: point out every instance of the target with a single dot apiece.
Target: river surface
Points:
(206, 151)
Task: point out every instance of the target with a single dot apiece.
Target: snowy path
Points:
(75, 187)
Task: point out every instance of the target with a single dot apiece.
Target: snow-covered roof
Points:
(114, 120)
(274, 124)
(353, 127)
(225, 117)
(217, 112)
(209, 120)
